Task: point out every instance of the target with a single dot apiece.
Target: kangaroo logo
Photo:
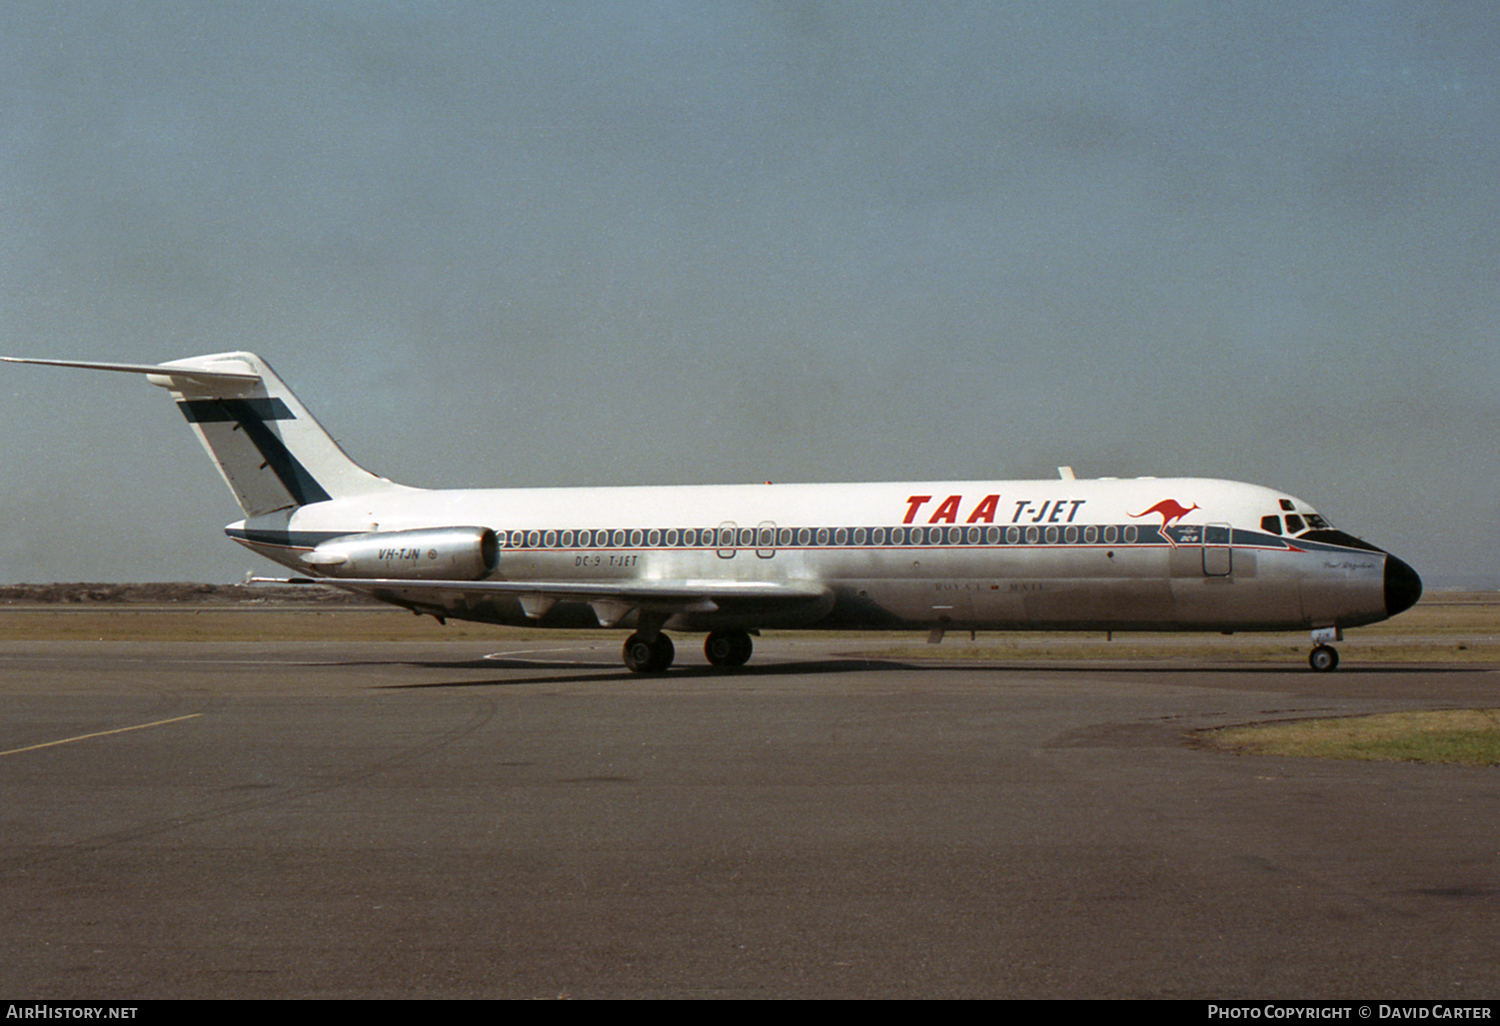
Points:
(1171, 511)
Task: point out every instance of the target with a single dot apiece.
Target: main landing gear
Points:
(653, 655)
(648, 656)
(1324, 658)
(728, 648)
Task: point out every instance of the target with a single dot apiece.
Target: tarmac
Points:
(326, 819)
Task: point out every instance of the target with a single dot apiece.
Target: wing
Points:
(612, 601)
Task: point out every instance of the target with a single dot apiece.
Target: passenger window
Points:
(1271, 524)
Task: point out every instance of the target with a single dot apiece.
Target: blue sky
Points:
(636, 242)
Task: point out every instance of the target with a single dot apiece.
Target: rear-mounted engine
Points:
(430, 554)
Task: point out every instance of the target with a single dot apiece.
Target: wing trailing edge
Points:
(612, 601)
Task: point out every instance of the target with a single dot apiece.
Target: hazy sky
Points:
(536, 243)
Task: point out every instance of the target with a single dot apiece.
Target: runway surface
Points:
(417, 820)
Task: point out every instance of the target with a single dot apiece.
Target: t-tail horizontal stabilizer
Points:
(268, 448)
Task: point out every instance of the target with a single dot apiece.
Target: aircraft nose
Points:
(1402, 586)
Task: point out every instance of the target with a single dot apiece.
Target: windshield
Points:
(1313, 527)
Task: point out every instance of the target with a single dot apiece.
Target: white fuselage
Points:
(1066, 554)
(1141, 554)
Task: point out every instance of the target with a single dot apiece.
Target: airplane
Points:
(1142, 554)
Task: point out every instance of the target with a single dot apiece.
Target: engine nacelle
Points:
(435, 553)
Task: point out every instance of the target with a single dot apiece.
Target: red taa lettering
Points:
(947, 512)
(984, 513)
(914, 503)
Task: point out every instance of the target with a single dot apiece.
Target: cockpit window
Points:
(1286, 504)
(1271, 524)
(1294, 523)
(1336, 537)
(1315, 521)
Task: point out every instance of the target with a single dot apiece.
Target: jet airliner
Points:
(1145, 554)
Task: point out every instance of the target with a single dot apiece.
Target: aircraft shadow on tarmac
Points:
(577, 672)
(564, 671)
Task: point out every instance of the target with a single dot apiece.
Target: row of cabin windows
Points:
(787, 537)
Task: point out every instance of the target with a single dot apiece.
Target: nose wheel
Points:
(1323, 659)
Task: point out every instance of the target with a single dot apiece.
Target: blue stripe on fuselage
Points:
(1243, 539)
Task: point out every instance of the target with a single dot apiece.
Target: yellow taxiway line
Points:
(100, 733)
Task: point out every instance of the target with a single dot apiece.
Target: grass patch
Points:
(1467, 737)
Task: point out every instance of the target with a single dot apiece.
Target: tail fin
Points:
(269, 449)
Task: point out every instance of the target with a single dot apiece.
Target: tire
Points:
(728, 648)
(1323, 659)
(663, 652)
(642, 656)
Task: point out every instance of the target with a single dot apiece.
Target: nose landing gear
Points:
(1324, 658)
